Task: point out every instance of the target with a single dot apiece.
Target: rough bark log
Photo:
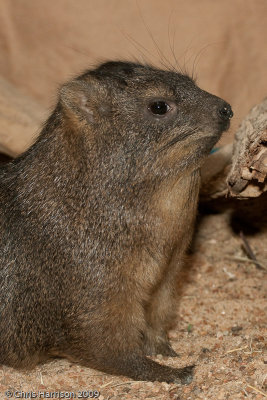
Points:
(240, 171)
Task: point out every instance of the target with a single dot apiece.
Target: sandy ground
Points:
(221, 326)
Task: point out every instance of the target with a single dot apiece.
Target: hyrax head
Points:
(156, 117)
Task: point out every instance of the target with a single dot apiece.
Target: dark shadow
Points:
(248, 216)
(4, 158)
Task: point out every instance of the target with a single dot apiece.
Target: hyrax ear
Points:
(78, 98)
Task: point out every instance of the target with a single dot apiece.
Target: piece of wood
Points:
(239, 170)
(247, 177)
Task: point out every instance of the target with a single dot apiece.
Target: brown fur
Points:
(95, 219)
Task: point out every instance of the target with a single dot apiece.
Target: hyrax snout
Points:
(95, 219)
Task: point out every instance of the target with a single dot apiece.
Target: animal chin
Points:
(223, 127)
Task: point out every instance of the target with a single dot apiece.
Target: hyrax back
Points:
(95, 218)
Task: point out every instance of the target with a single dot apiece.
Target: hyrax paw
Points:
(165, 349)
(184, 375)
(162, 346)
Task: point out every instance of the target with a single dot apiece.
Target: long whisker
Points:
(177, 139)
(197, 58)
(164, 61)
(172, 45)
(139, 47)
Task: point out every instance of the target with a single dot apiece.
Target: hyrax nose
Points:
(226, 112)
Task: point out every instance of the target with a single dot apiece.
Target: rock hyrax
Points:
(95, 219)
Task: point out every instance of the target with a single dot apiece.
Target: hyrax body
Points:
(96, 216)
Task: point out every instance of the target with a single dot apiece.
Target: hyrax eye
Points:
(159, 107)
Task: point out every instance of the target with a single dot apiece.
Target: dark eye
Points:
(159, 107)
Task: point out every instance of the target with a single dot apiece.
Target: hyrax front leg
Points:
(162, 304)
(160, 316)
(114, 345)
(138, 367)
(133, 364)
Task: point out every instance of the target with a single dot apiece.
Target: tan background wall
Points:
(44, 42)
